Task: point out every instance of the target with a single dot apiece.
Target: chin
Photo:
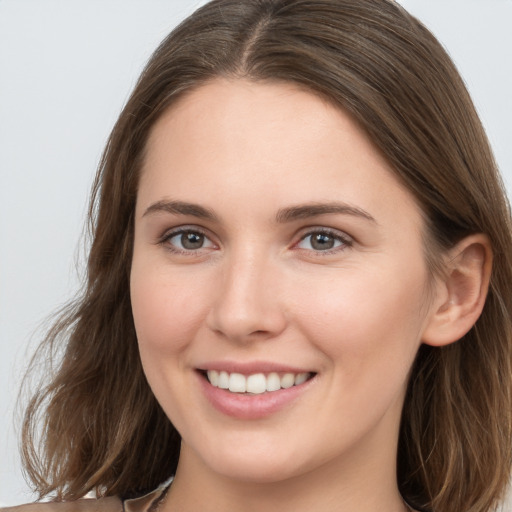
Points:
(264, 472)
(255, 466)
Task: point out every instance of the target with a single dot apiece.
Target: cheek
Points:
(167, 310)
(367, 318)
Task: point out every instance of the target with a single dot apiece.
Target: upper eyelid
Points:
(170, 232)
(164, 241)
(337, 233)
(346, 241)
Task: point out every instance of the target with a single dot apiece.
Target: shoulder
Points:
(110, 504)
(144, 503)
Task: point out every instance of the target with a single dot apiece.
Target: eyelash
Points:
(344, 240)
(165, 240)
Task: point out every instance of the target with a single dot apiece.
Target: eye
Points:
(187, 240)
(323, 240)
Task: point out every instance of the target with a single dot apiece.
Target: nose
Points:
(247, 304)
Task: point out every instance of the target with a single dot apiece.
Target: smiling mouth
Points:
(256, 383)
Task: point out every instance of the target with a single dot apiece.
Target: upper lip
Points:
(250, 368)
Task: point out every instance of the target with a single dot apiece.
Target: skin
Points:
(258, 290)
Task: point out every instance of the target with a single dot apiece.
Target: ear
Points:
(461, 292)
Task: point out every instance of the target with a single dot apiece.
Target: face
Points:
(277, 256)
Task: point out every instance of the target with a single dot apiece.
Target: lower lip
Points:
(251, 407)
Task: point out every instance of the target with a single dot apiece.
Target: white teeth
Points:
(213, 377)
(256, 383)
(224, 380)
(287, 380)
(273, 382)
(237, 383)
(300, 378)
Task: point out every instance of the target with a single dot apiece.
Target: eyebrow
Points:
(315, 209)
(283, 215)
(181, 208)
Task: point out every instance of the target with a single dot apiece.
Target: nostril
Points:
(246, 310)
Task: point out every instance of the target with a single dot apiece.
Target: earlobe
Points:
(461, 293)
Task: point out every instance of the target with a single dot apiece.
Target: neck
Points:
(363, 482)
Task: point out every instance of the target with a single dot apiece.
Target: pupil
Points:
(322, 242)
(192, 240)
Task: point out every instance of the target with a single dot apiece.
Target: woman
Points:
(297, 290)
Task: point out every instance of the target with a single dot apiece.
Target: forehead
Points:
(232, 103)
(237, 138)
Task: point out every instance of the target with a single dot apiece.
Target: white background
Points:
(66, 69)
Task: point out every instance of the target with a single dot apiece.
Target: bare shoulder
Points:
(110, 504)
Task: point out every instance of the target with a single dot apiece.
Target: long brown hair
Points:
(102, 427)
